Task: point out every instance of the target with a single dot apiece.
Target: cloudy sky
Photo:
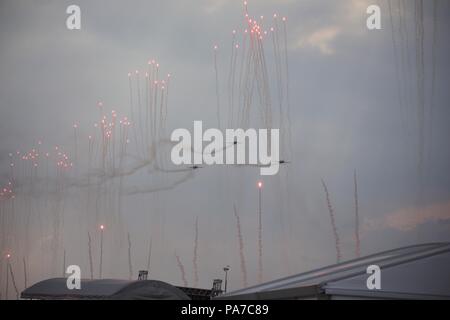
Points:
(354, 106)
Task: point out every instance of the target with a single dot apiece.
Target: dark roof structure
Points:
(415, 272)
(56, 288)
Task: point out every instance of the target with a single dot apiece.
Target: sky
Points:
(354, 107)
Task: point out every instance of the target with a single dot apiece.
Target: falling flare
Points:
(216, 71)
(91, 265)
(241, 247)
(149, 254)
(419, 15)
(433, 75)
(182, 272)
(130, 266)
(357, 235)
(11, 273)
(195, 259)
(25, 277)
(333, 222)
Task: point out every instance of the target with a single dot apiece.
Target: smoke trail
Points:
(25, 278)
(194, 260)
(420, 93)
(230, 75)
(433, 75)
(125, 172)
(241, 247)
(124, 137)
(13, 281)
(397, 66)
(333, 222)
(149, 255)
(407, 68)
(7, 281)
(132, 112)
(288, 111)
(147, 106)
(182, 272)
(217, 85)
(130, 266)
(139, 122)
(357, 239)
(278, 69)
(91, 265)
(233, 77)
(75, 147)
(148, 189)
(403, 9)
(64, 264)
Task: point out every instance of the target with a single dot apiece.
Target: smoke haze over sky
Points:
(345, 116)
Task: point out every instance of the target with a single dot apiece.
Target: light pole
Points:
(260, 266)
(226, 269)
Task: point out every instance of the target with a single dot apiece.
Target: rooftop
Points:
(415, 271)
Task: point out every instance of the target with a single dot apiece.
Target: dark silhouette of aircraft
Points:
(195, 167)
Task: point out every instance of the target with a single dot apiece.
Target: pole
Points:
(260, 265)
(226, 280)
(226, 269)
(101, 251)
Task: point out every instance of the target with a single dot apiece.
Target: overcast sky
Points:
(345, 116)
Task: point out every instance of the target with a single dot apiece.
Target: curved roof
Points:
(56, 288)
(415, 270)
